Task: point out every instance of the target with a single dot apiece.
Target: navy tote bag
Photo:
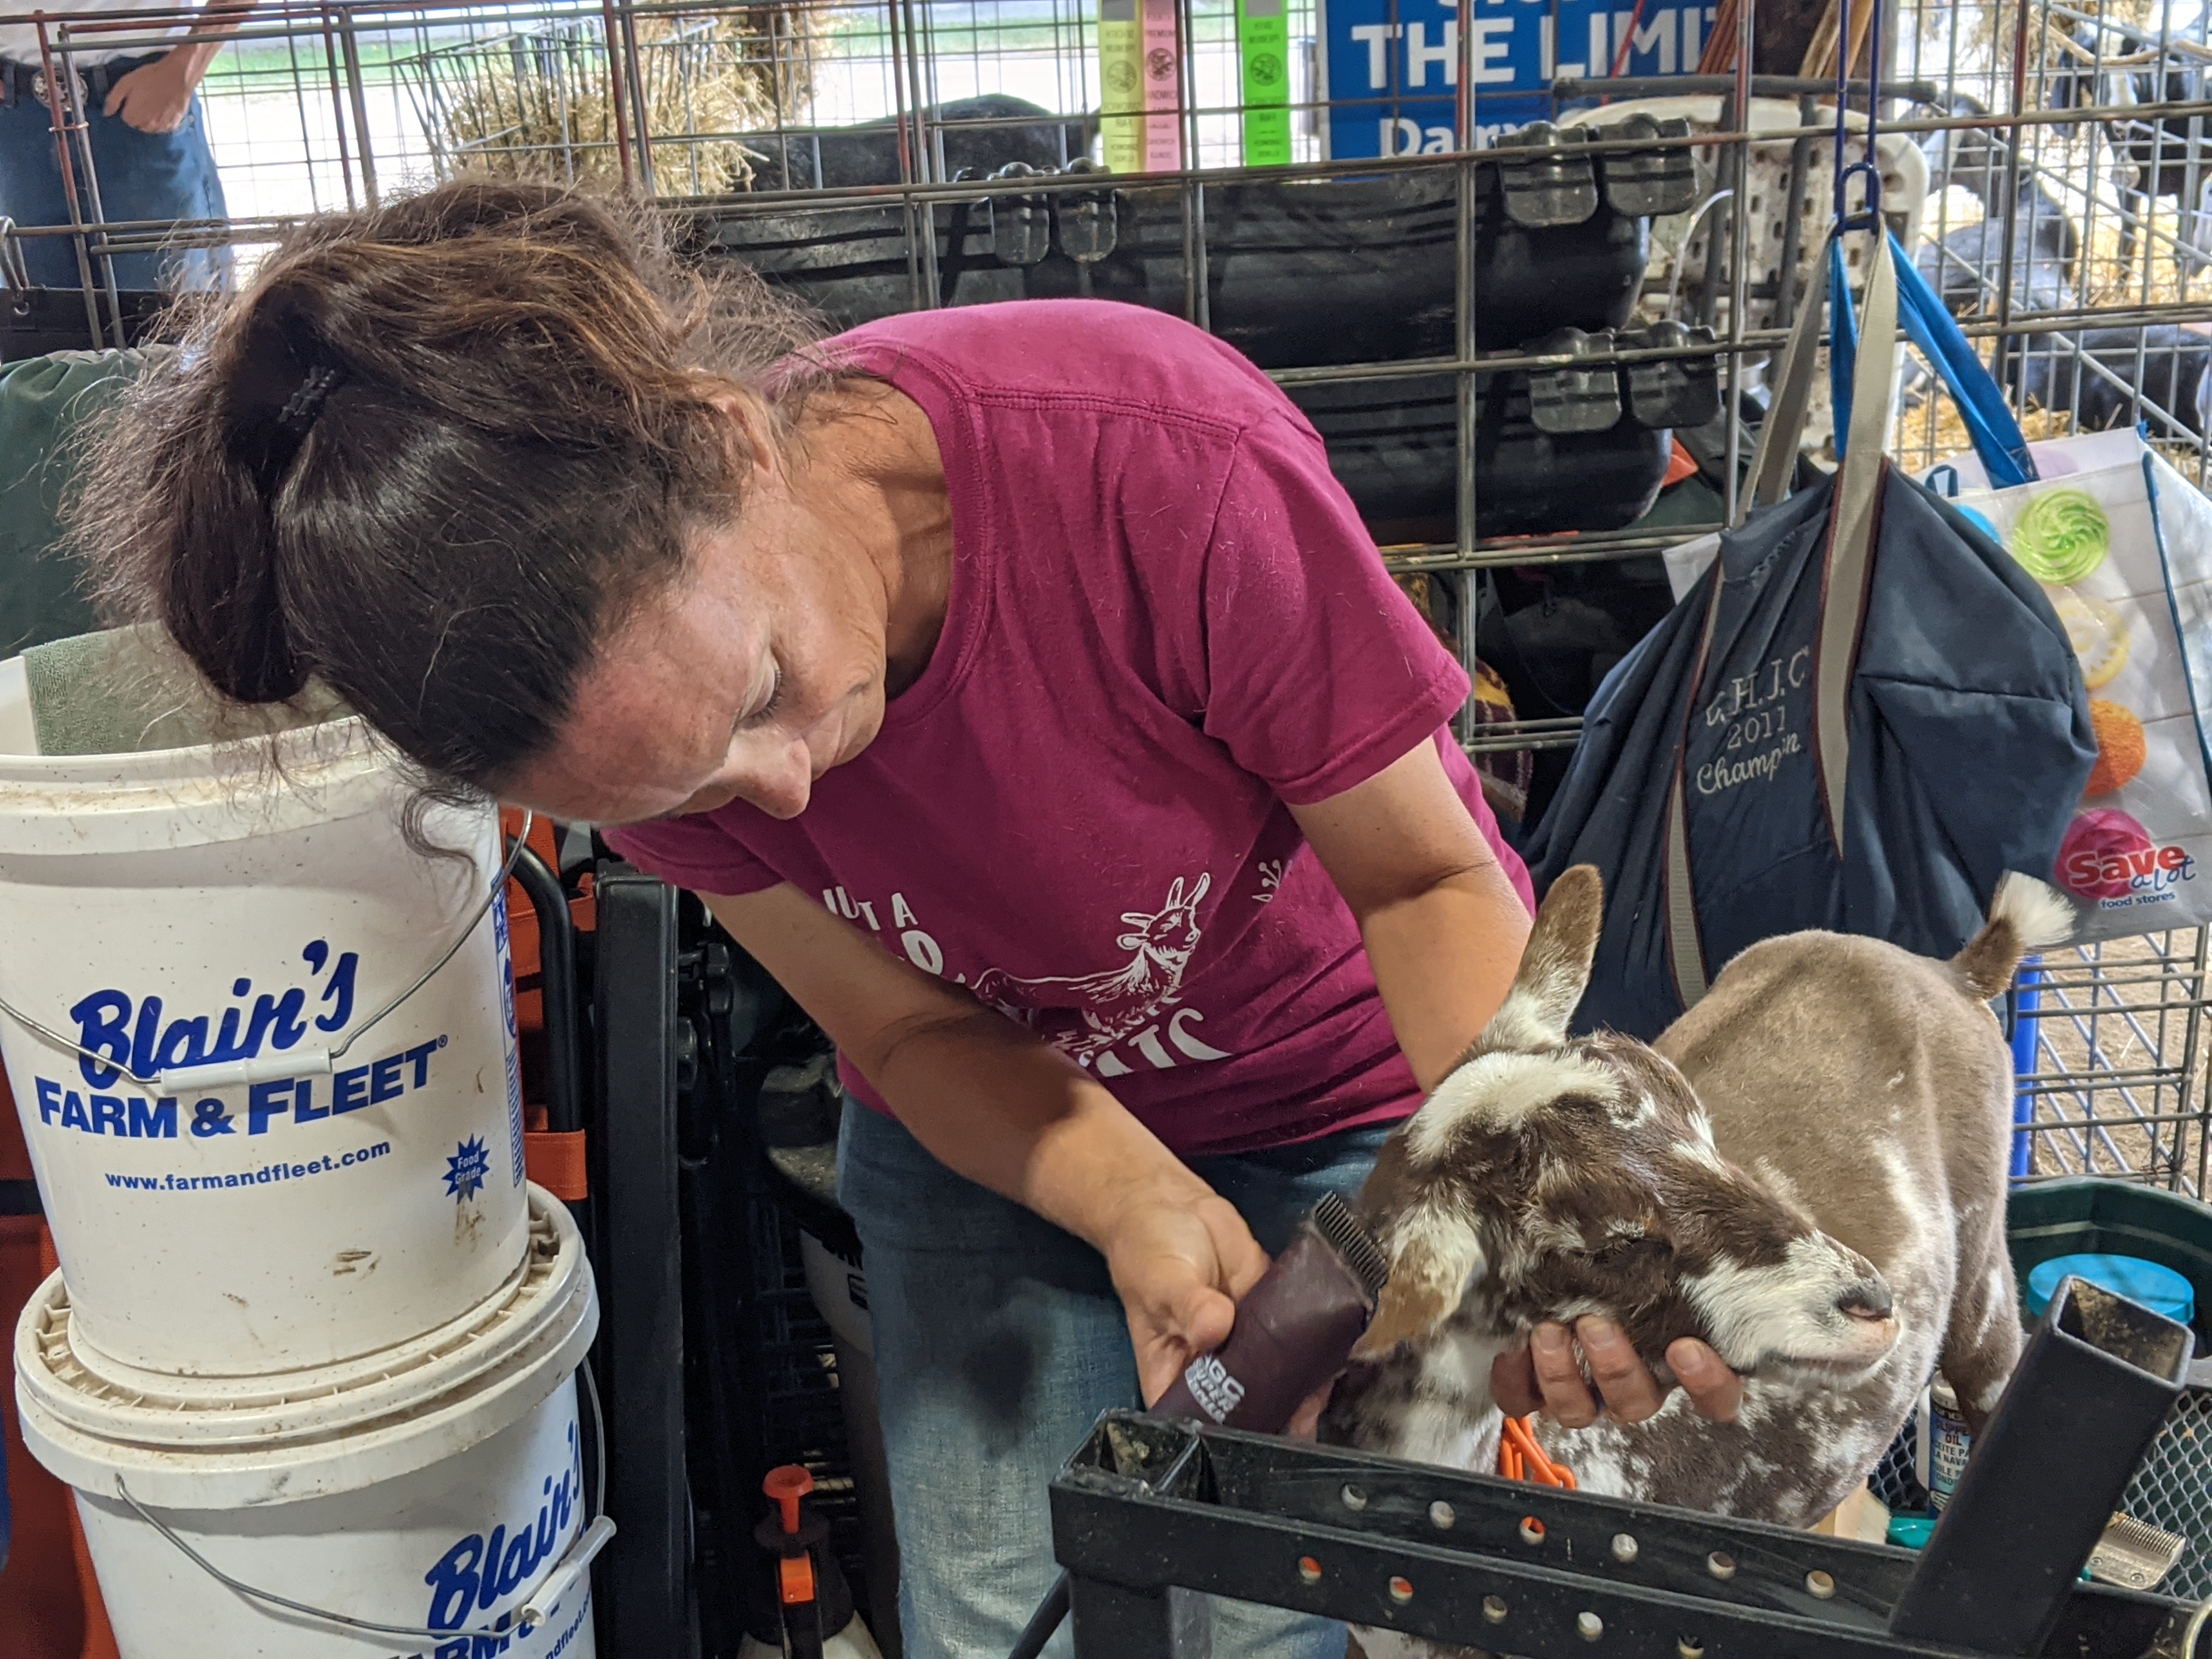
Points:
(1862, 716)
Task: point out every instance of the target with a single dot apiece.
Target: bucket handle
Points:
(297, 1062)
(560, 1578)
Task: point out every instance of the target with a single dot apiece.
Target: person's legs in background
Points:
(162, 175)
(31, 181)
(998, 1341)
(140, 175)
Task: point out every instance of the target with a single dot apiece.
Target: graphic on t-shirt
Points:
(1117, 1003)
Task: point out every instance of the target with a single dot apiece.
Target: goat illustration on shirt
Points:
(1116, 1003)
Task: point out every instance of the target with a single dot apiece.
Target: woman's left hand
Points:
(1547, 1376)
(1179, 1265)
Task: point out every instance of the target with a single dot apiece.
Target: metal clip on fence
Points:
(1870, 216)
(15, 269)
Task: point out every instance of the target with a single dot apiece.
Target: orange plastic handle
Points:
(787, 1485)
(797, 1579)
(1519, 1457)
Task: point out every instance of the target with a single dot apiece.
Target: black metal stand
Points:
(643, 1575)
(2097, 1378)
(1149, 1509)
(565, 1091)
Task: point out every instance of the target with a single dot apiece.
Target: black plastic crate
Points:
(1581, 447)
(1295, 273)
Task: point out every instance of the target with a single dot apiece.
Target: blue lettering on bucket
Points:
(467, 1167)
(478, 1572)
(269, 1105)
(133, 1118)
(133, 1034)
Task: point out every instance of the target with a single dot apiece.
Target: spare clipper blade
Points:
(2134, 1554)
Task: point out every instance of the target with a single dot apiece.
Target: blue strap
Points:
(1843, 341)
(1996, 435)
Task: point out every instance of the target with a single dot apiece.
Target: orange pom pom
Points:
(2120, 746)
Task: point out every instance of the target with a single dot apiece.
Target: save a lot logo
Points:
(2109, 859)
(129, 1040)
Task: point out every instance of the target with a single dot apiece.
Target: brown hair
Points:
(431, 456)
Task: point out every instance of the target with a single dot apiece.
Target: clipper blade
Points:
(2134, 1554)
(1355, 1246)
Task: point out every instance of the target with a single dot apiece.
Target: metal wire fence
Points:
(2112, 1082)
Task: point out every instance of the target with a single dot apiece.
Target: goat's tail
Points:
(2025, 916)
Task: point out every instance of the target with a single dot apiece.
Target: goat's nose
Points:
(1868, 1299)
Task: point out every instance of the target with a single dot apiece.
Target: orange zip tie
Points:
(1520, 1458)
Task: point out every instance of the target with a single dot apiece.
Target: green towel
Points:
(130, 689)
(46, 404)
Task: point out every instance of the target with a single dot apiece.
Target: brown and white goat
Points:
(1807, 1171)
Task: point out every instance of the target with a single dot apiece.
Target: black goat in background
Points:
(2107, 376)
(2157, 157)
(2106, 368)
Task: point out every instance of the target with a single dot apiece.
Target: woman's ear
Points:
(753, 428)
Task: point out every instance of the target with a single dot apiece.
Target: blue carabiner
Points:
(1868, 217)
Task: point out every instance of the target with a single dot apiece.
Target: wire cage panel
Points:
(2045, 163)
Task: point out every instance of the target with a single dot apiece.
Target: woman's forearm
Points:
(993, 1103)
(1442, 921)
(1445, 958)
(1013, 1114)
(988, 1098)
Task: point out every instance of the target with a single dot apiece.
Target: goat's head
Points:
(1551, 1177)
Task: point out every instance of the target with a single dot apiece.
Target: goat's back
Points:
(1863, 1080)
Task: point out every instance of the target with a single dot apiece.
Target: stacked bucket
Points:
(310, 1362)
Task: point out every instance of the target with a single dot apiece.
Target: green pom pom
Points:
(2061, 536)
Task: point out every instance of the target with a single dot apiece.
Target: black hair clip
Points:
(302, 406)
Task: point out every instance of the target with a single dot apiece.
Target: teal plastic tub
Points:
(2085, 1214)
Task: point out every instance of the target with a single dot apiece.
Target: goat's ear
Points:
(1555, 967)
(1433, 1257)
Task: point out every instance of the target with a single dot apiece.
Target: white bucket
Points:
(319, 1191)
(376, 1493)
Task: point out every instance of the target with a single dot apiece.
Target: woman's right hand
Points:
(992, 1101)
(1179, 1264)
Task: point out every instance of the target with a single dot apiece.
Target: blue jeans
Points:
(999, 1339)
(141, 175)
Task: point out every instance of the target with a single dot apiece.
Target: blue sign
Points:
(1392, 66)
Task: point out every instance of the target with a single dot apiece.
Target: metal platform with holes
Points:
(1149, 1511)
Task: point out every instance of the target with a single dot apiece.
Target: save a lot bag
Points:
(2121, 544)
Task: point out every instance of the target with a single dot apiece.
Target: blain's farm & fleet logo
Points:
(136, 1037)
(478, 1572)
(127, 1037)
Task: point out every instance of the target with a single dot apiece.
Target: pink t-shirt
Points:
(1166, 626)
